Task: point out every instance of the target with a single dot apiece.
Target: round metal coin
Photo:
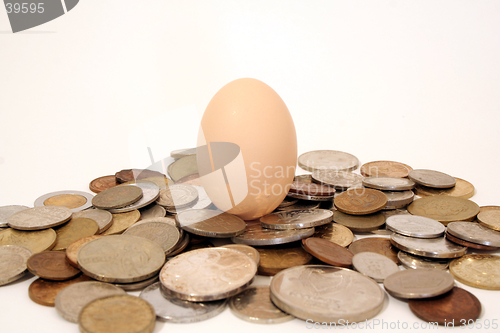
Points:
(210, 223)
(179, 153)
(163, 234)
(129, 175)
(103, 183)
(297, 219)
(246, 249)
(74, 200)
(313, 189)
(328, 159)
(385, 169)
(44, 292)
(374, 265)
(6, 211)
(328, 252)
(122, 221)
(299, 205)
(489, 218)
(415, 226)
(389, 183)
(335, 233)
(340, 180)
(72, 249)
(150, 194)
(301, 196)
(51, 265)
(414, 262)
(177, 196)
(359, 223)
(103, 218)
(276, 259)
(13, 260)
(432, 178)
(74, 230)
(418, 283)
(398, 199)
(360, 201)
(462, 189)
(428, 247)
(477, 270)
(255, 235)
(38, 218)
(37, 241)
(183, 167)
(444, 208)
(375, 244)
(117, 197)
(474, 232)
(465, 243)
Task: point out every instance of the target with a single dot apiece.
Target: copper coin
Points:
(385, 169)
(328, 252)
(52, 265)
(44, 292)
(276, 259)
(457, 306)
(311, 188)
(72, 250)
(103, 183)
(128, 175)
(377, 245)
(117, 197)
(360, 201)
(462, 242)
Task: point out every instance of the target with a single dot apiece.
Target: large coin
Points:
(432, 178)
(13, 260)
(326, 294)
(415, 226)
(276, 259)
(44, 292)
(117, 197)
(207, 274)
(254, 234)
(37, 241)
(103, 183)
(328, 159)
(183, 167)
(38, 218)
(122, 221)
(374, 265)
(340, 180)
(51, 265)
(444, 208)
(150, 194)
(477, 270)
(163, 234)
(489, 218)
(328, 252)
(389, 183)
(414, 262)
(375, 244)
(462, 189)
(385, 169)
(74, 200)
(297, 219)
(418, 283)
(359, 223)
(102, 217)
(335, 233)
(7, 211)
(360, 201)
(74, 230)
(474, 232)
(428, 247)
(177, 196)
(210, 223)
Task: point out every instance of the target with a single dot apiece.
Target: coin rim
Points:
(88, 196)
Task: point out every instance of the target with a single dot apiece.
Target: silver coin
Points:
(432, 178)
(389, 183)
(340, 180)
(6, 211)
(254, 305)
(326, 294)
(428, 247)
(297, 219)
(328, 159)
(246, 249)
(419, 283)
(374, 265)
(38, 218)
(287, 202)
(474, 232)
(163, 234)
(40, 201)
(177, 196)
(414, 262)
(415, 226)
(13, 260)
(71, 300)
(210, 223)
(139, 285)
(398, 199)
(152, 211)
(150, 193)
(255, 235)
(180, 246)
(207, 274)
(302, 196)
(171, 309)
(103, 218)
(397, 211)
(182, 167)
(179, 153)
(300, 205)
(167, 219)
(203, 202)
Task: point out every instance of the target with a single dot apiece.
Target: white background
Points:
(415, 82)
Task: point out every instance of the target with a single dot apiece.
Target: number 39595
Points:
(24, 7)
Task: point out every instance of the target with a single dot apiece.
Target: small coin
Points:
(254, 305)
(474, 232)
(139, 285)
(324, 293)
(38, 218)
(103, 183)
(179, 153)
(360, 201)
(7, 211)
(489, 218)
(246, 249)
(287, 202)
(276, 259)
(374, 265)
(432, 178)
(414, 262)
(462, 189)
(74, 230)
(210, 223)
(128, 175)
(418, 283)
(444, 208)
(74, 200)
(13, 260)
(183, 167)
(328, 252)
(456, 306)
(314, 189)
(385, 169)
(477, 270)
(71, 300)
(359, 223)
(398, 199)
(255, 235)
(299, 205)
(297, 219)
(207, 274)
(152, 211)
(335, 233)
(122, 313)
(180, 246)
(102, 217)
(150, 194)
(389, 183)
(203, 202)
(117, 197)
(375, 244)
(328, 159)
(72, 249)
(301, 196)
(51, 265)
(465, 243)
(122, 221)
(163, 234)
(340, 180)
(37, 241)
(44, 292)
(415, 226)
(428, 247)
(177, 196)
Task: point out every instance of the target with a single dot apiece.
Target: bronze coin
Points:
(103, 183)
(311, 188)
(76, 228)
(52, 265)
(117, 197)
(453, 308)
(128, 175)
(70, 201)
(462, 189)
(385, 169)
(44, 292)
(72, 249)
(444, 208)
(377, 245)
(360, 201)
(462, 242)
(328, 252)
(276, 259)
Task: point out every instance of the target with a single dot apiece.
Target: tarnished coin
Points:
(415, 262)
(428, 247)
(177, 196)
(299, 205)
(210, 223)
(150, 194)
(359, 223)
(340, 180)
(246, 249)
(37, 241)
(139, 285)
(38, 218)
(202, 202)
(468, 244)
(72, 249)
(374, 265)
(389, 183)
(44, 292)
(477, 270)
(254, 305)
(360, 201)
(474, 232)
(276, 259)
(489, 218)
(326, 294)
(117, 313)
(335, 233)
(120, 258)
(308, 188)
(74, 230)
(71, 300)
(418, 283)
(102, 217)
(117, 197)
(415, 226)
(182, 167)
(255, 235)
(432, 178)
(375, 244)
(385, 169)
(287, 202)
(74, 200)
(13, 260)
(51, 265)
(328, 252)
(7, 211)
(103, 183)
(444, 208)
(328, 159)
(128, 175)
(163, 234)
(398, 199)
(462, 189)
(179, 153)
(152, 211)
(122, 221)
(456, 306)
(207, 274)
(297, 219)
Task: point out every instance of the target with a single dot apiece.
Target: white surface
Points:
(416, 82)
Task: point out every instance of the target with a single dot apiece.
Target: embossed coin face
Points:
(309, 188)
(72, 249)
(13, 260)
(415, 226)
(122, 221)
(103, 183)
(74, 200)
(359, 223)
(418, 283)
(38, 218)
(117, 197)
(489, 218)
(429, 247)
(51, 265)
(6, 211)
(360, 201)
(477, 270)
(297, 219)
(178, 195)
(163, 234)
(462, 189)
(255, 235)
(374, 265)
(152, 211)
(210, 223)
(74, 230)
(411, 261)
(375, 244)
(389, 183)
(432, 178)
(37, 241)
(150, 194)
(444, 208)
(326, 294)
(207, 274)
(102, 217)
(276, 259)
(328, 159)
(44, 292)
(335, 233)
(246, 249)
(474, 232)
(340, 180)
(385, 169)
(254, 305)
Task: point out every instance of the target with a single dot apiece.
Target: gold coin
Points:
(122, 221)
(360, 201)
(462, 189)
(274, 260)
(359, 223)
(385, 169)
(335, 233)
(118, 313)
(477, 270)
(37, 241)
(489, 217)
(444, 208)
(66, 200)
(72, 231)
(72, 250)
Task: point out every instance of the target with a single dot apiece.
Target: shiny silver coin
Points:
(182, 167)
(210, 223)
(324, 293)
(310, 197)
(103, 218)
(374, 265)
(7, 211)
(255, 235)
(340, 180)
(297, 219)
(432, 178)
(152, 211)
(139, 285)
(72, 198)
(179, 153)
(398, 199)
(415, 226)
(38, 218)
(202, 202)
(150, 193)
(474, 232)
(428, 247)
(419, 283)
(300, 205)
(163, 234)
(414, 262)
(389, 183)
(328, 159)
(177, 196)
(13, 260)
